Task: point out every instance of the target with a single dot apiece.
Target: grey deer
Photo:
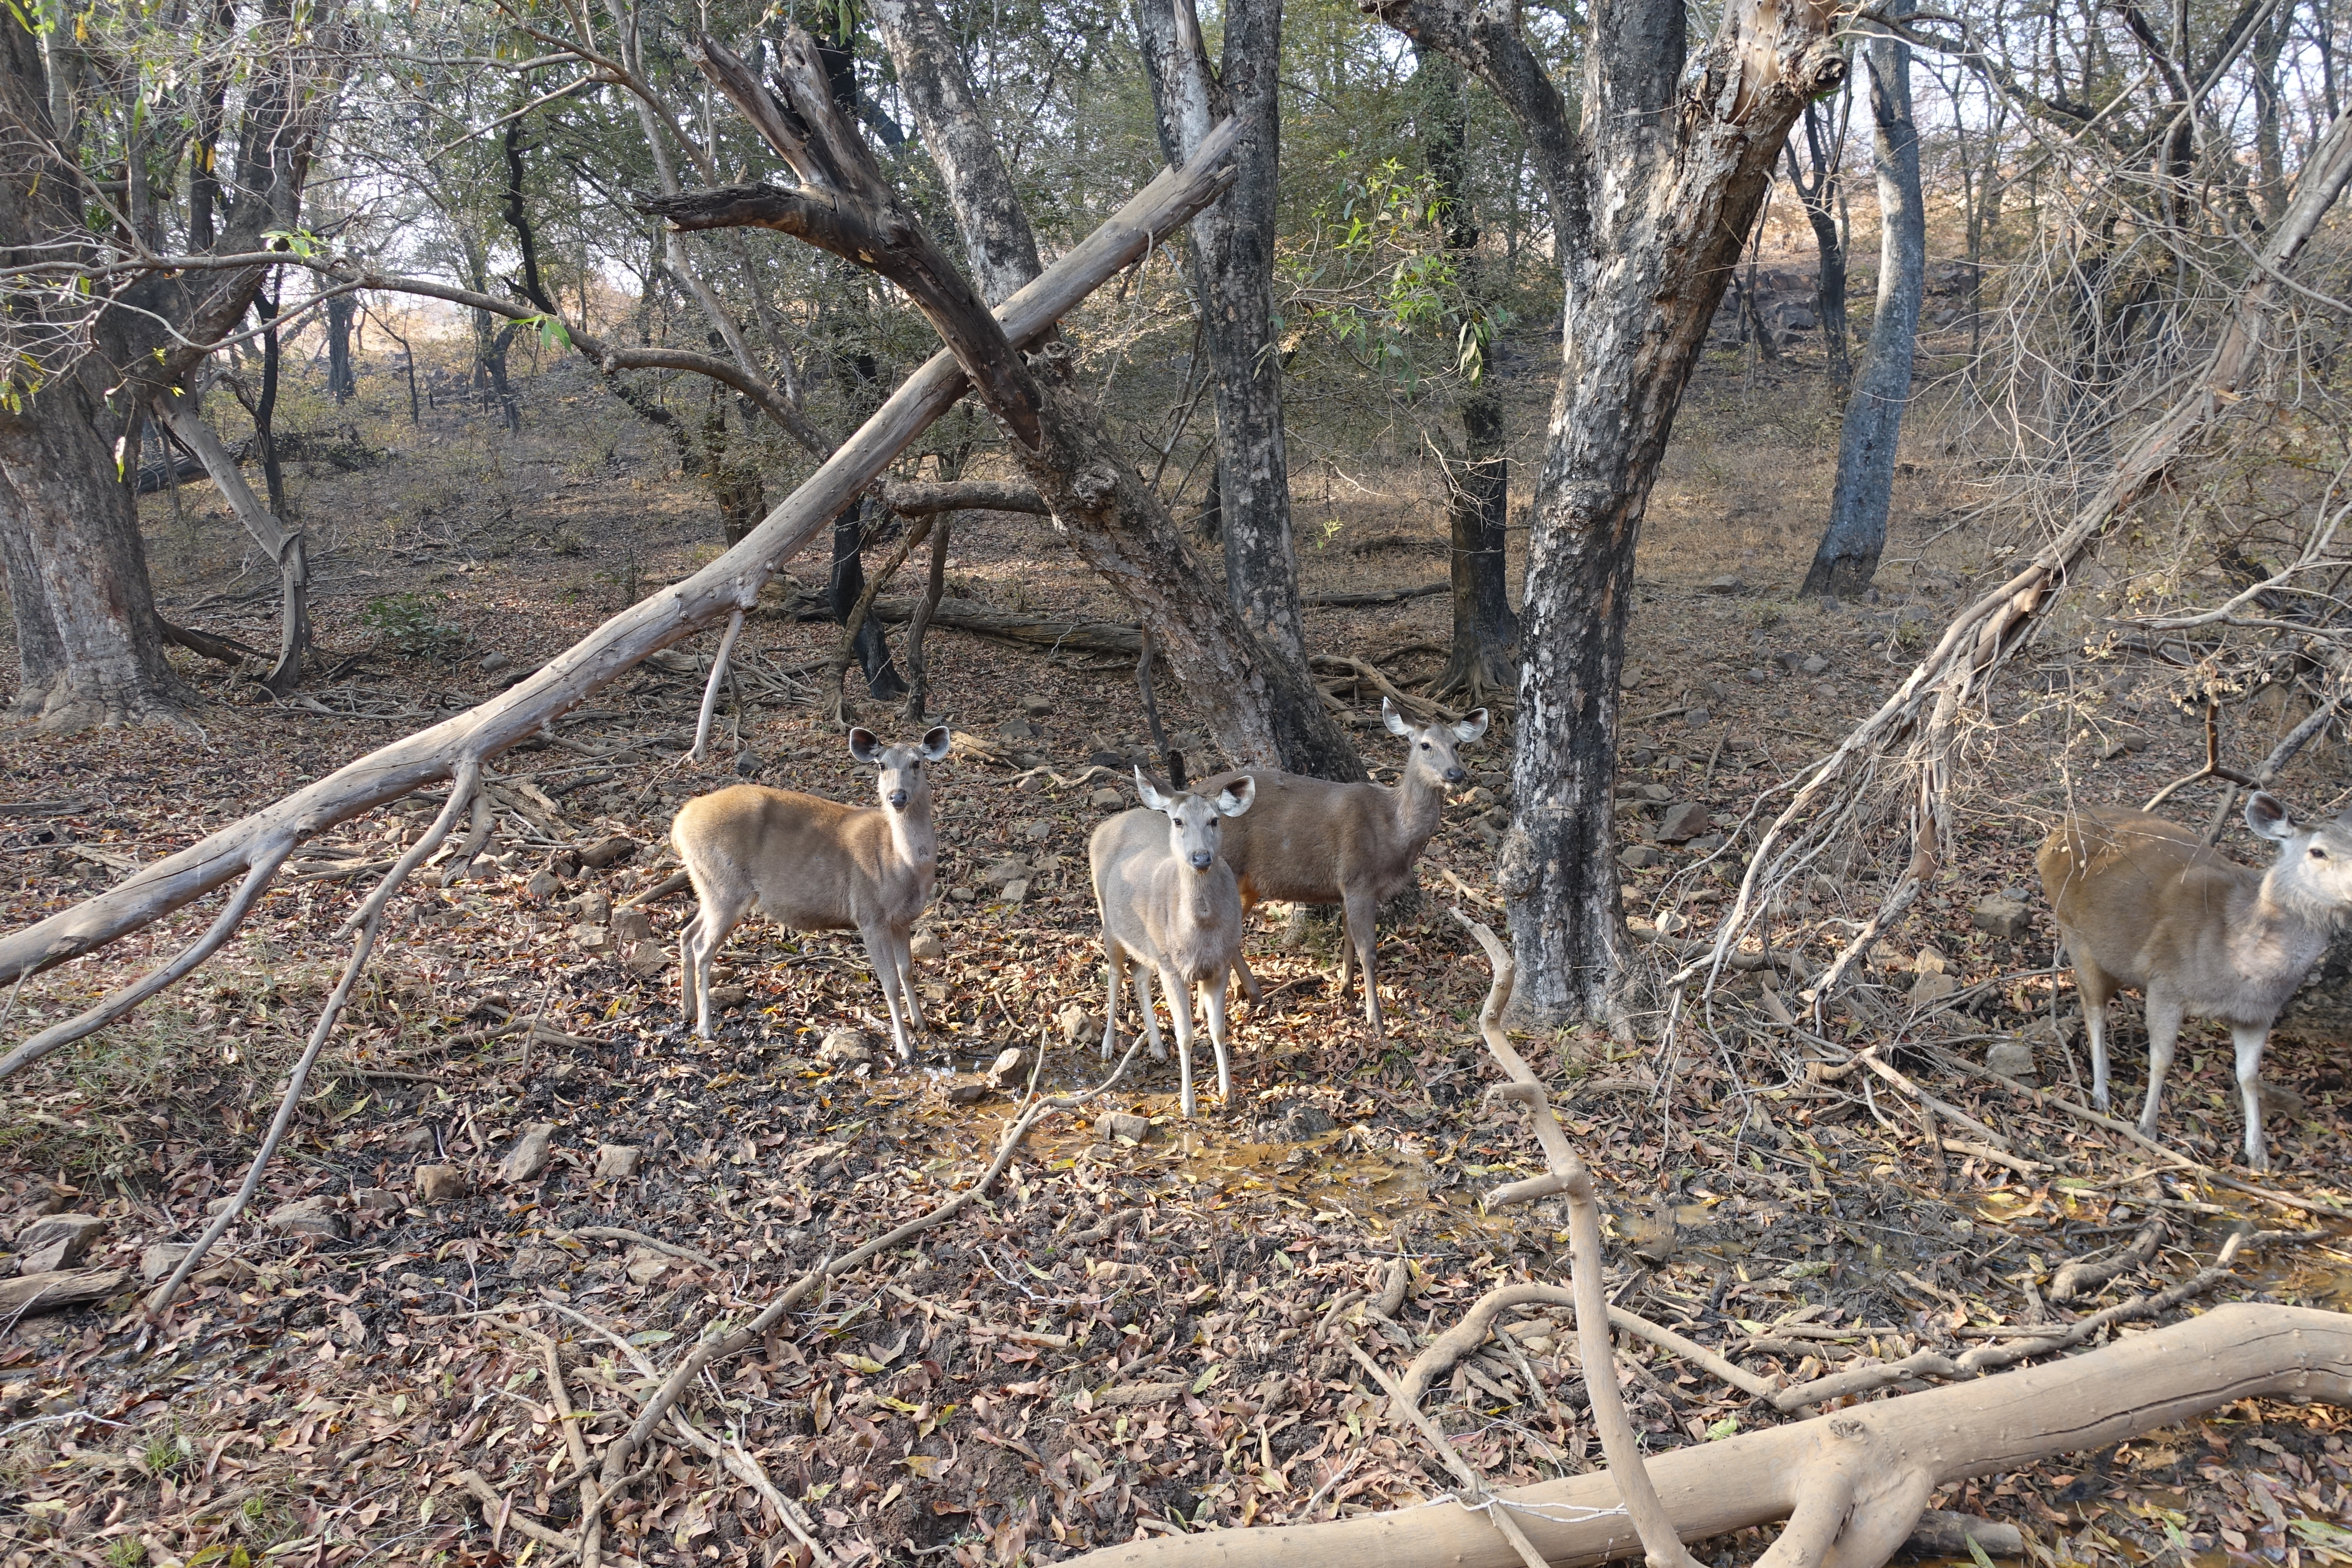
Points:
(1170, 906)
(810, 864)
(2142, 901)
(1311, 841)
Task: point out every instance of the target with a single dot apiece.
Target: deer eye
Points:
(2317, 853)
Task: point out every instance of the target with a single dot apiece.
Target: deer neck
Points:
(2281, 923)
(1417, 805)
(913, 841)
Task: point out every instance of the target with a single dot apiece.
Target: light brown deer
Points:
(1170, 905)
(1311, 841)
(2141, 901)
(810, 864)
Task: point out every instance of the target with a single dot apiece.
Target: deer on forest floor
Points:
(1172, 906)
(810, 864)
(1311, 841)
(2143, 902)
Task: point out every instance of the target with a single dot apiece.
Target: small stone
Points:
(1707, 844)
(440, 1184)
(1017, 890)
(529, 1155)
(540, 1263)
(1754, 677)
(647, 960)
(926, 947)
(1728, 583)
(544, 885)
(644, 1265)
(2004, 918)
(1017, 730)
(1813, 664)
(376, 1200)
(1036, 830)
(631, 925)
(1078, 1026)
(1699, 718)
(1683, 822)
(592, 938)
(2010, 1058)
(1931, 960)
(1011, 869)
(617, 1161)
(494, 661)
(1826, 888)
(308, 1217)
(967, 1091)
(1106, 800)
(1630, 678)
(156, 1263)
(1117, 1124)
(1010, 1069)
(844, 1047)
(727, 998)
(1480, 796)
(962, 895)
(748, 763)
(610, 850)
(1655, 794)
(415, 1140)
(1671, 923)
(1932, 987)
(1640, 857)
(1036, 707)
(56, 1241)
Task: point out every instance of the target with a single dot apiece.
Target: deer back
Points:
(1307, 840)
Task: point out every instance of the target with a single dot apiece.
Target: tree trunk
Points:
(89, 648)
(1848, 556)
(1232, 263)
(1817, 192)
(849, 584)
(1650, 208)
(285, 545)
(1485, 656)
(342, 381)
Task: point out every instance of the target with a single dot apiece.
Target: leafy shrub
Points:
(409, 622)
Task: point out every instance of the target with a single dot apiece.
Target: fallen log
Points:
(1852, 1483)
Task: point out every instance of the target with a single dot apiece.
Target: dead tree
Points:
(252, 848)
(1098, 502)
(1652, 195)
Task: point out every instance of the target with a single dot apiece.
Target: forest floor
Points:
(1124, 1335)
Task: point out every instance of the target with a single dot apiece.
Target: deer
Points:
(2144, 903)
(1315, 842)
(1171, 906)
(811, 863)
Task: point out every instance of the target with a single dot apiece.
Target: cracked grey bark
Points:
(1232, 263)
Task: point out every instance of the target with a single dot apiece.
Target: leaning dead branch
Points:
(252, 847)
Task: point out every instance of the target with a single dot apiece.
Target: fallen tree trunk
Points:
(1852, 1484)
(729, 584)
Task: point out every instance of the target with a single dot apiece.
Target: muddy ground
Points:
(1125, 1335)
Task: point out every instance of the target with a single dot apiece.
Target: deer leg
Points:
(705, 935)
(2250, 1043)
(2164, 1014)
(1150, 1019)
(1249, 982)
(2095, 987)
(1360, 915)
(1214, 993)
(1113, 962)
(883, 955)
(690, 995)
(1179, 992)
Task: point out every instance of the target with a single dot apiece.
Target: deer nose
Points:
(1455, 775)
(1201, 861)
(897, 800)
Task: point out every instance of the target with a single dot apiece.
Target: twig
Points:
(711, 687)
(1463, 1469)
(615, 1233)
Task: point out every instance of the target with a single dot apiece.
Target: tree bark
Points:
(1485, 654)
(1232, 263)
(1651, 205)
(285, 545)
(343, 382)
(89, 649)
(1848, 555)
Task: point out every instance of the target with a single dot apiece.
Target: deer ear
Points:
(1473, 725)
(864, 746)
(936, 742)
(1395, 721)
(1236, 797)
(2268, 817)
(1149, 796)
